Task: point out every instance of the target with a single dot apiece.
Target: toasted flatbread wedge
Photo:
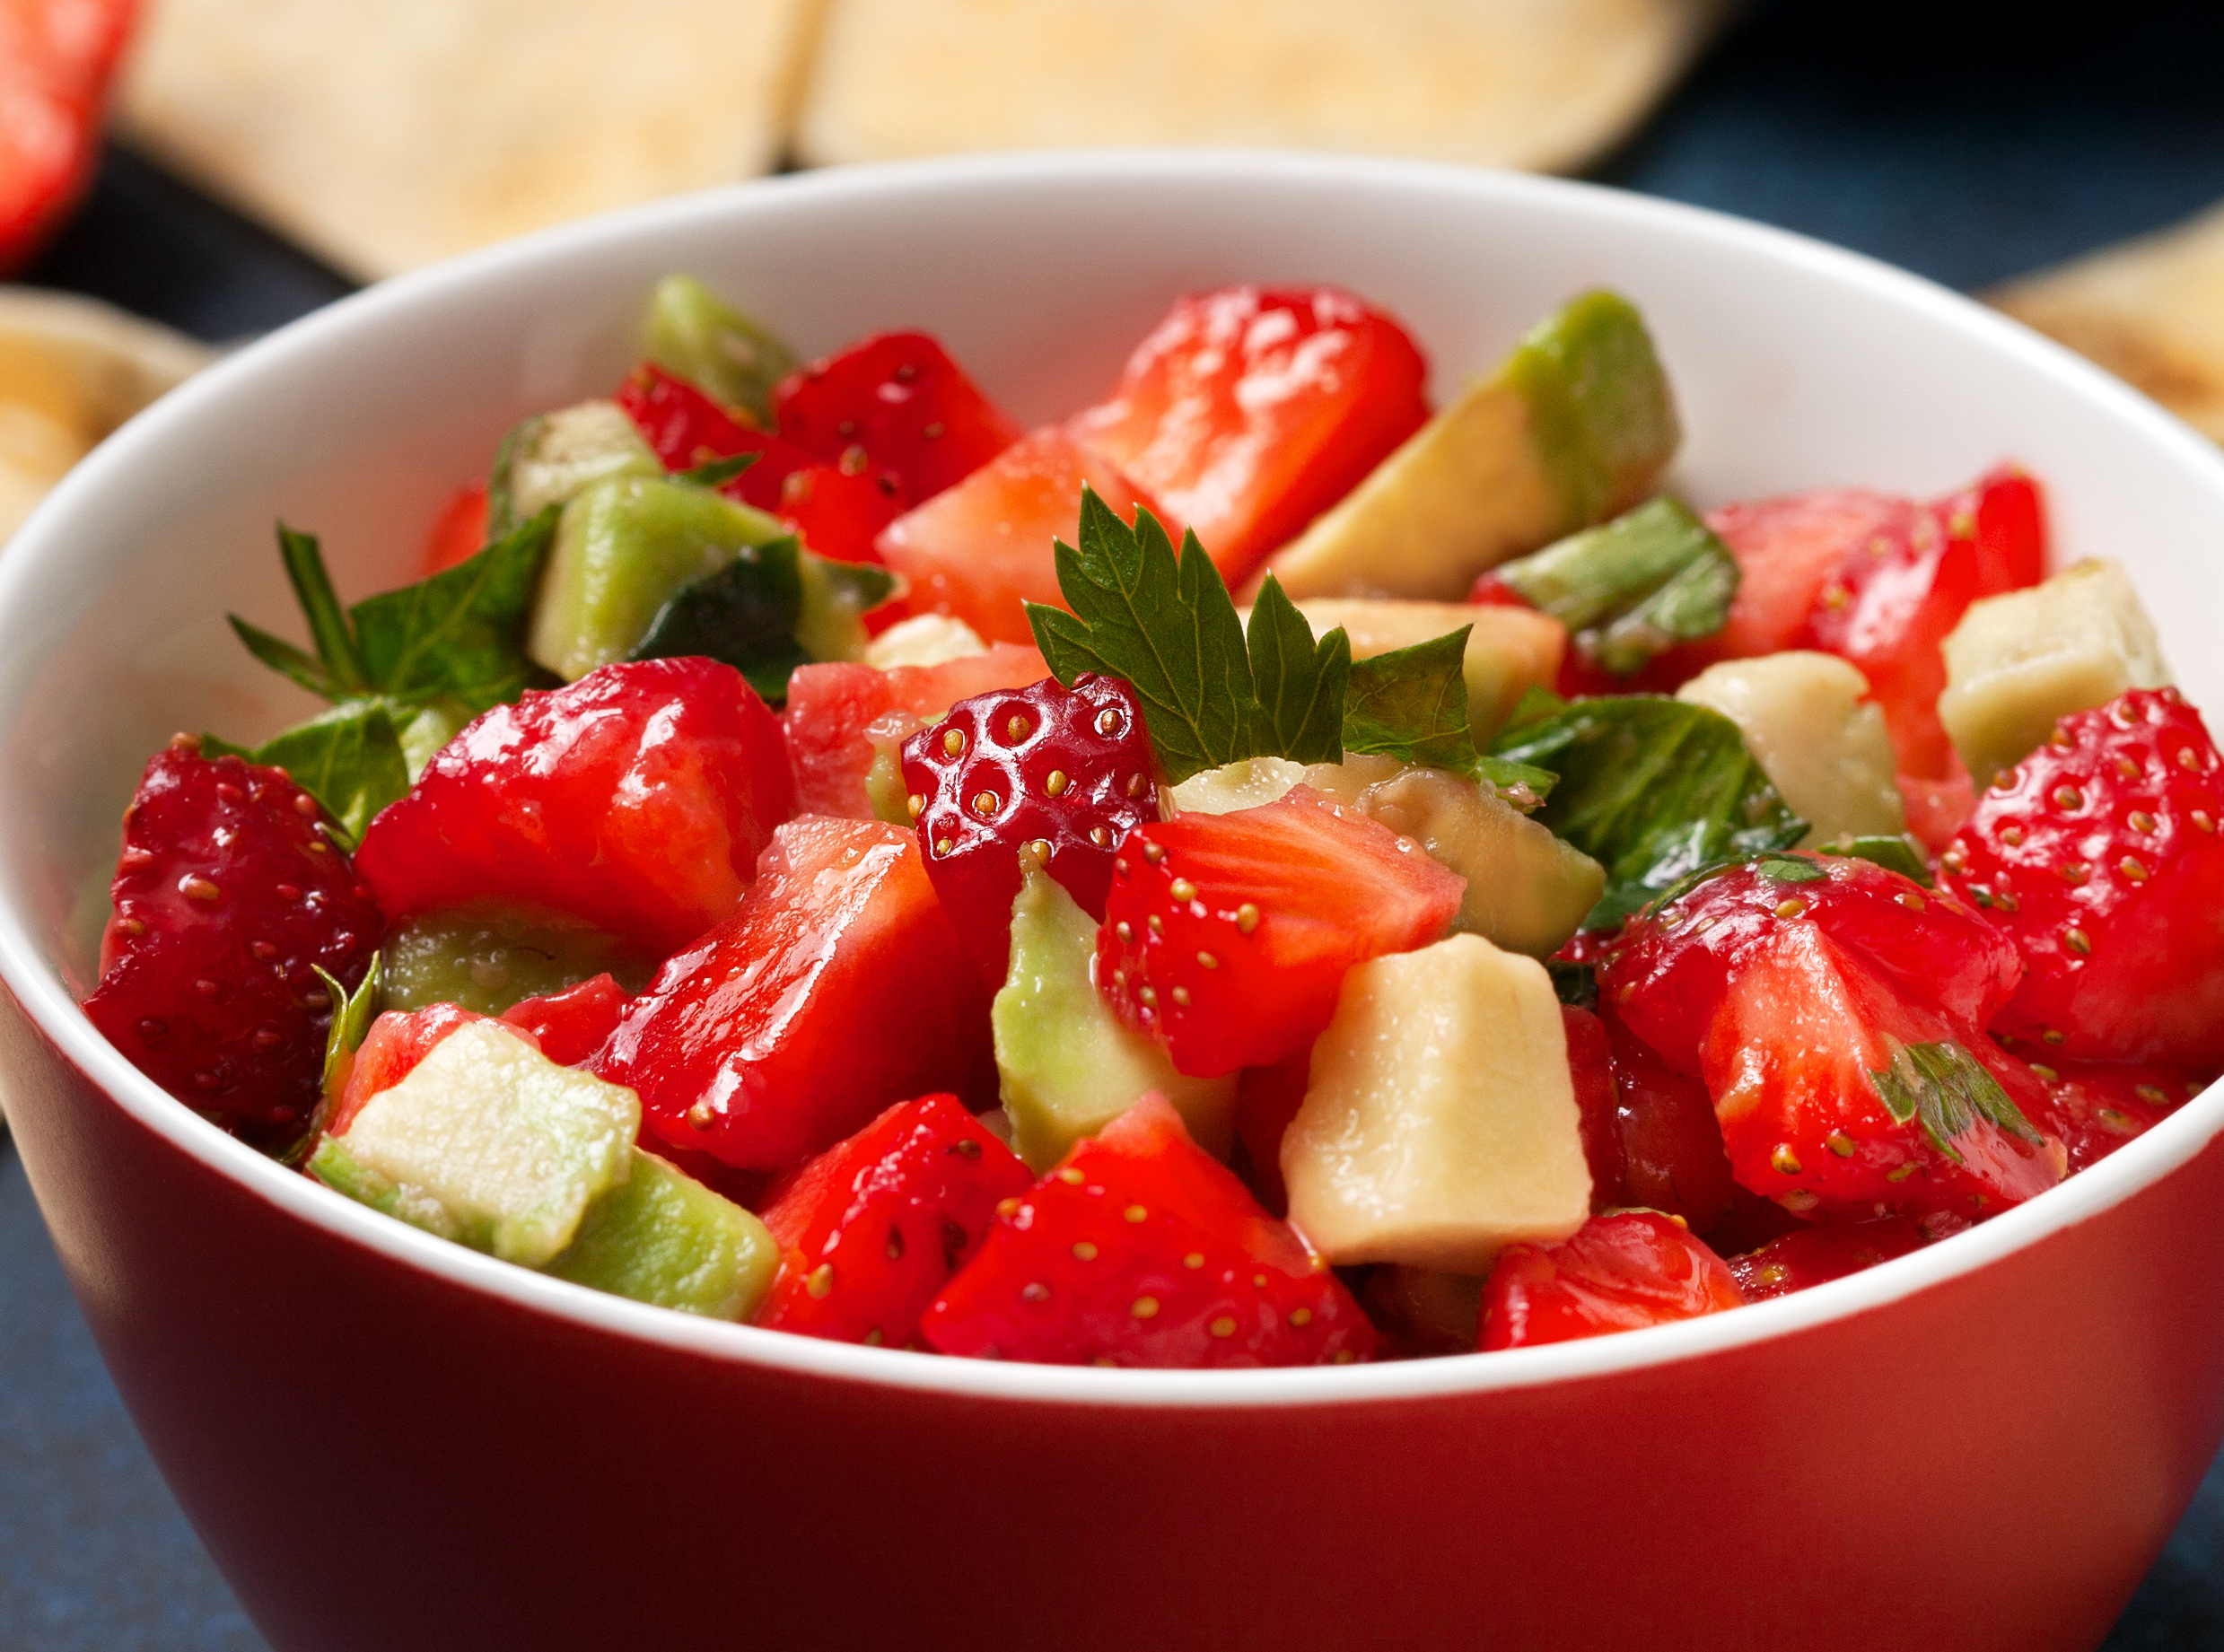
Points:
(2150, 310)
(385, 135)
(1526, 84)
(71, 371)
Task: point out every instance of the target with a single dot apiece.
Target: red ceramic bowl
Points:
(388, 1441)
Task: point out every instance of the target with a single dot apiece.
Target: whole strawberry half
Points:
(229, 896)
(1227, 936)
(1620, 1271)
(638, 798)
(1142, 1249)
(1834, 1010)
(2099, 855)
(1063, 775)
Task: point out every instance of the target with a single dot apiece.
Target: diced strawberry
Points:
(2099, 855)
(397, 1041)
(229, 896)
(1938, 808)
(838, 988)
(1787, 549)
(460, 531)
(871, 1229)
(1062, 775)
(899, 399)
(1619, 1272)
(843, 717)
(1887, 606)
(1591, 1063)
(571, 1025)
(837, 510)
(2097, 1106)
(687, 428)
(982, 551)
(636, 798)
(1142, 1249)
(1266, 1099)
(1672, 1155)
(55, 59)
(1248, 411)
(1816, 1255)
(1227, 936)
(1834, 1010)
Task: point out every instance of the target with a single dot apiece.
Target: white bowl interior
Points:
(1794, 365)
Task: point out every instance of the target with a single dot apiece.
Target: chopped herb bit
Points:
(1944, 1086)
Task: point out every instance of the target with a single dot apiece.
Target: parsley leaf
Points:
(461, 631)
(349, 759)
(1946, 1089)
(1168, 627)
(744, 615)
(1301, 683)
(1412, 703)
(1652, 788)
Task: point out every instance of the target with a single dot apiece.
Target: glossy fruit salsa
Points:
(1259, 872)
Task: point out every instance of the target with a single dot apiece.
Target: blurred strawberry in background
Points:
(56, 60)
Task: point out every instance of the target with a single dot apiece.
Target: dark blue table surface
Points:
(1969, 142)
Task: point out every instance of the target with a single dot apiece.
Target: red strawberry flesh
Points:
(229, 896)
(871, 1229)
(837, 989)
(638, 798)
(1140, 1249)
(1061, 774)
(2100, 856)
(898, 400)
(1621, 1272)
(1227, 936)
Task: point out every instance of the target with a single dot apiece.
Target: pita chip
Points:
(2150, 310)
(384, 135)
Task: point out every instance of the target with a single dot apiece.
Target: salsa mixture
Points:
(1260, 872)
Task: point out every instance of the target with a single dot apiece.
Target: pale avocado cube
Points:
(1066, 1066)
(553, 457)
(692, 334)
(1440, 1124)
(2018, 664)
(1575, 426)
(489, 955)
(1808, 722)
(662, 1238)
(489, 1142)
(623, 549)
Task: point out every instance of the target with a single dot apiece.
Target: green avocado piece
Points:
(1573, 426)
(1066, 1066)
(551, 458)
(1600, 417)
(624, 547)
(692, 334)
(489, 1142)
(663, 1237)
(489, 955)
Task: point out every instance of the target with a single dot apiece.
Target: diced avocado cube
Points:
(624, 547)
(661, 1236)
(1635, 587)
(692, 334)
(1067, 1066)
(487, 1143)
(489, 955)
(1573, 427)
(1823, 745)
(1527, 889)
(1248, 783)
(2019, 662)
(551, 458)
(1440, 1125)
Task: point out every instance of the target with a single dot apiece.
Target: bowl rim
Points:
(41, 991)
